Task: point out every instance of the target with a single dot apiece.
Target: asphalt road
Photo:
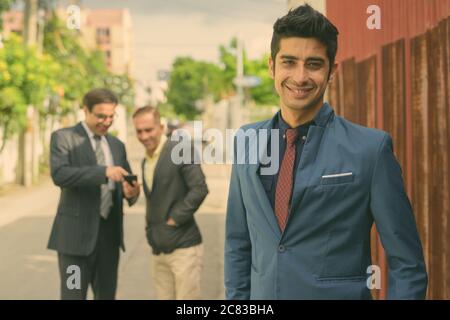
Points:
(29, 271)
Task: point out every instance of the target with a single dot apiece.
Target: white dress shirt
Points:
(106, 150)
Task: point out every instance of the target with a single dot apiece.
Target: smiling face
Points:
(148, 131)
(301, 73)
(100, 118)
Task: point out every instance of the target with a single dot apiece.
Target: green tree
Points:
(79, 69)
(26, 78)
(264, 93)
(53, 82)
(12, 112)
(228, 62)
(190, 81)
(82, 70)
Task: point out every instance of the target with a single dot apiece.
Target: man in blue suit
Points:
(302, 231)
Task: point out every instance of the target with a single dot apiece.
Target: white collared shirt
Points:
(106, 150)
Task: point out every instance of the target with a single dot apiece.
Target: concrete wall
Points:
(8, 161)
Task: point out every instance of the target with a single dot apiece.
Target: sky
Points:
(166, 29)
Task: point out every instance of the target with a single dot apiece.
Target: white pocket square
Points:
(337, 175)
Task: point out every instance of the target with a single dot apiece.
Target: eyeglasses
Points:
(102, 117)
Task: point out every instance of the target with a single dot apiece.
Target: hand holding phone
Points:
(130, 186)
(130, 179)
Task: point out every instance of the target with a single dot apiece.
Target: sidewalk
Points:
(19, 202)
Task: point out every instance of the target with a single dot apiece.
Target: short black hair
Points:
(305, 22)
(99, 95)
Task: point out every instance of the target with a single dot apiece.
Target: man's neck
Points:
(88, 130)
(151, 152)
(295, 118)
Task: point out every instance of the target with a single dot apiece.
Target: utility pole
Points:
(28, 167)
(240, 70)
(31, 22)
(238, 106)
(40, 32)
(236, 103)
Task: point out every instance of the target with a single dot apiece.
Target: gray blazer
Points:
(74, 169)
(178, 190)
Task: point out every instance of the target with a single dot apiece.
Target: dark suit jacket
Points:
(347, 179)
(178, 190)
(74, 169)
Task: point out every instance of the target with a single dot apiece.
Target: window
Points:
(103, 35)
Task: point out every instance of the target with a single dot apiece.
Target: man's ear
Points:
(271, 68)
(333, 71)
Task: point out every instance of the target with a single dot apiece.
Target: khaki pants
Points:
(177, 275)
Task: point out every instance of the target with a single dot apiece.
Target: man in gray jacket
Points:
(88, 164)
(173, 192)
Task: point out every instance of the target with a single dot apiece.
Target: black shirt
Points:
(269, 182)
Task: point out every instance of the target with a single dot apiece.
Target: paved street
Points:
(29, 271)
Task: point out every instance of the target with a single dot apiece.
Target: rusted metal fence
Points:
(405, 90)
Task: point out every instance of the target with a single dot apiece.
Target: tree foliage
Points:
(83, 69)
(55, 81)
(26, 78)
(263, 94)
(192, 80)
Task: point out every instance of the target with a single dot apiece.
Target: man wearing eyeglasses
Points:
(89, 166)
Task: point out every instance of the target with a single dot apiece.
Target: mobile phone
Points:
(130, 178)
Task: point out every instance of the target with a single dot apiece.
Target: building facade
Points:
(111, 31)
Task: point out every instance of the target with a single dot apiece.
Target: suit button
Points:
(281, 248)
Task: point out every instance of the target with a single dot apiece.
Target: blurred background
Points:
(207, 60)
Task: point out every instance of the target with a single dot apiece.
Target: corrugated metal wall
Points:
(436, 71)
(352, 95)
(397, 79)
(399, 19)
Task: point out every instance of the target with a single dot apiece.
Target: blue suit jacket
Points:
(324, 251)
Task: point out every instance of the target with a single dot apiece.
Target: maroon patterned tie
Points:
(285, 179)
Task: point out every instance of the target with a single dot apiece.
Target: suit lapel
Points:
(304, 171)
(161, 160)
(115, 151)
(85, 143)
(311, 148)
(144, 181)
(253, 176)
(262, 199)
(306, 164)
(115, 154)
